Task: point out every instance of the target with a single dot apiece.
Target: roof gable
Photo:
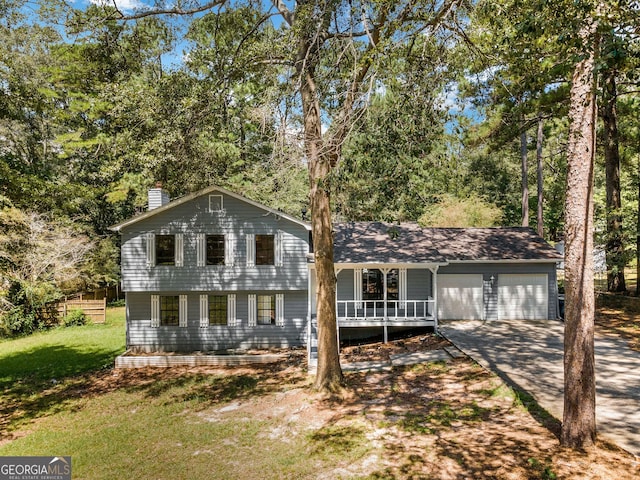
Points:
(206, 191)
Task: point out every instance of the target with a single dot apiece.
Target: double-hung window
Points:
(215, 249)
(266, 309)
(168, 310)
(265, 249)
(165, 249)
(217, 309)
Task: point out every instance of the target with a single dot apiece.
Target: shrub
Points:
(74, 318)
(17, 321)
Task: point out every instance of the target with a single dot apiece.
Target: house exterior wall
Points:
(495, 269)
(141, 336)
(238, 220)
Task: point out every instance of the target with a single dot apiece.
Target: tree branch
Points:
(170, 11)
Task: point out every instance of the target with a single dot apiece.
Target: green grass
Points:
(175, 428)
(37, 372)
(159, 427)
(62, 352)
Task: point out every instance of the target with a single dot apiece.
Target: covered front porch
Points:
(376, 295)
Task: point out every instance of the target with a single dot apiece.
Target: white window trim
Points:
(252, 306)
(155, 311)
(182, 311)
(251, 250)
(151, 250)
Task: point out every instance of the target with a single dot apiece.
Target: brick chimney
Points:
(158, 196)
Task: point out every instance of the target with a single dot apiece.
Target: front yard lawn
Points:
(440, 420)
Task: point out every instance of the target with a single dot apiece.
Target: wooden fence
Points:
(96, 310)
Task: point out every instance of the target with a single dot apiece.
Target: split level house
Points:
(214, 271)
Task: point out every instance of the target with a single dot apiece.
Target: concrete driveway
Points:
(529, 355)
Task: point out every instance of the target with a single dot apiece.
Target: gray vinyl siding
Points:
(419, 284)
(344, 287)
(495, 269)
(142, 337)
(192, 218)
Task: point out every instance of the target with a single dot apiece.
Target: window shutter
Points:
(253, 310)
(229, 249)
(251, 250)
(155, 311)
(201, 247)
(357, 287)
(179, 250)
(182, 310)
(279, 254)
(151, 250)
(402, 287)
(204, 311)
(280, 310)
(231, 310)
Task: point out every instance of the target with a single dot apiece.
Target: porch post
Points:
(434, 288)
(384, 297)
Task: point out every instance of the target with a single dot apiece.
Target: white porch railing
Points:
(397, 309)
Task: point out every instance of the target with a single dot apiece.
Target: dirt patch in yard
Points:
(619, 316)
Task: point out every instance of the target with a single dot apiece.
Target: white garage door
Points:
(523, 297)
(460, 297)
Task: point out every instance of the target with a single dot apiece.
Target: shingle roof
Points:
(377, 242)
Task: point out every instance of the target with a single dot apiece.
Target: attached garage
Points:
(523, 296)
(460, 297)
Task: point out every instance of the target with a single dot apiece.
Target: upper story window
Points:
(265, 250)
(165, 250)
(215, 249)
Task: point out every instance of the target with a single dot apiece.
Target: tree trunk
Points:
(329, 374)
(539, 139)
(638, 236)
(579, 424)
(525, 177)
(615, 243)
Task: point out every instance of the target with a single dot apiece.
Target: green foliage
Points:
(74, 318)
(461, 212)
